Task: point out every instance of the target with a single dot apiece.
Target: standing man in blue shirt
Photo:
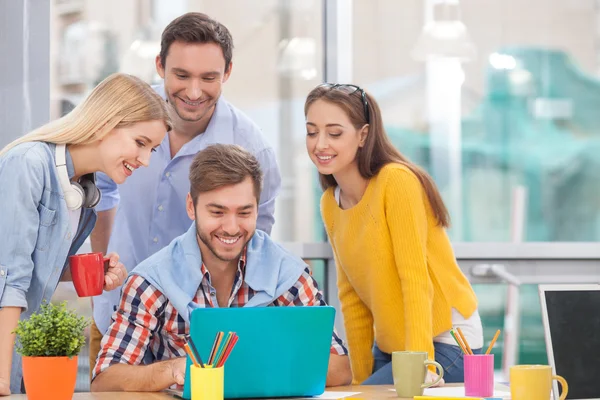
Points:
(140, 217)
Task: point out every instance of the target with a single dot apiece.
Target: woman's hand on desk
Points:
(431, 377)
(4, 387)
(116, 273)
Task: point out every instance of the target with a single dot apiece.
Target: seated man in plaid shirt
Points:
(222, 261)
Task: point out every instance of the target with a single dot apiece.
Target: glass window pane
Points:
(509, 136)
(278, 58)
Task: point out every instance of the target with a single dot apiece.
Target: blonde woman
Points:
(49, 194)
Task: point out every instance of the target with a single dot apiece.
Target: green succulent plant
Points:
(53, 331)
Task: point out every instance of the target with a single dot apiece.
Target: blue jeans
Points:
(450, 358)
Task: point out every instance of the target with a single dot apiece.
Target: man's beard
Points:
(207, 243)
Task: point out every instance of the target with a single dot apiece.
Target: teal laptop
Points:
(281, 351)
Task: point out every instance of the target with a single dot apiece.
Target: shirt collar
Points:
(68, 159)
(256, 275)
(219, 129)
(70, 166)
(241, 265)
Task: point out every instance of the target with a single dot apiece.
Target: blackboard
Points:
(574, 324)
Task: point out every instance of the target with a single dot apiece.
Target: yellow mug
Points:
(534, 382)
(207, 383)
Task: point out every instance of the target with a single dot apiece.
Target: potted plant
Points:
(49, 342)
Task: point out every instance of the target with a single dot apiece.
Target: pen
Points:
(195, 351)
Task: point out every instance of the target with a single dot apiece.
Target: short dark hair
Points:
(195, 27)
(221, 165)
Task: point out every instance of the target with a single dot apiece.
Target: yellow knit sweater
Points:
(398, 279)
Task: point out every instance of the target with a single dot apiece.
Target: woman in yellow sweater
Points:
(399, 284)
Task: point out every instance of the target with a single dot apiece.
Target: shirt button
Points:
(160, 208)
(168, 174)
(2, 272)
(155, 240)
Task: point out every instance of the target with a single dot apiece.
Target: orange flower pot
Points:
(50, 378)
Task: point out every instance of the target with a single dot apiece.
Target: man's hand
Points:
(115, 274)
(154, 377)
(4, 387)
(178, 370)
(432, 377)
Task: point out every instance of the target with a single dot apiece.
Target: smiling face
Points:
(225, 220)
(194, 75)
(331, 140)
(125, 149)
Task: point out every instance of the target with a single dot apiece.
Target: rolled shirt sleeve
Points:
(22, 215)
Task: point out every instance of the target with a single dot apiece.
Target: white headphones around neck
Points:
(84, 193)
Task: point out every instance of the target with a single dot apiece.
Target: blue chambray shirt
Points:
(35, 231)
(151, 203)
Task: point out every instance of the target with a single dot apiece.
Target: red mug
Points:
(87, 272)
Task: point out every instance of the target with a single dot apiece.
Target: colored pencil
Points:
(493, 342)
(195, 351)
(213, 351)
(469, 351)
(228, 351)
(187, 349)
(457, 341)
(222, 349)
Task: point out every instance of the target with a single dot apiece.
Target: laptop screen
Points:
(572, 326)
(282, 351)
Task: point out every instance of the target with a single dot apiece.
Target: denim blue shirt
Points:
(151, 203)
(270, 271)
(35, 231)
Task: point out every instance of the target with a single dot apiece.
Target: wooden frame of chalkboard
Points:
(571, 319)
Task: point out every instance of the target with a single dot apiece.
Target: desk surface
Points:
(366, 393)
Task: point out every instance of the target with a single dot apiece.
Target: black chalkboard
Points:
(574, 322)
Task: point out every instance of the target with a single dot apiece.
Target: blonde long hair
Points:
(118, 101)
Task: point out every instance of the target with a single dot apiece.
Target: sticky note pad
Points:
(455, 398)
(446, 398)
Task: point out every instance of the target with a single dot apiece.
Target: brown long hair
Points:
(377, 151)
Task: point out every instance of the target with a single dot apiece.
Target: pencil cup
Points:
(479, 375)
(207, 383)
